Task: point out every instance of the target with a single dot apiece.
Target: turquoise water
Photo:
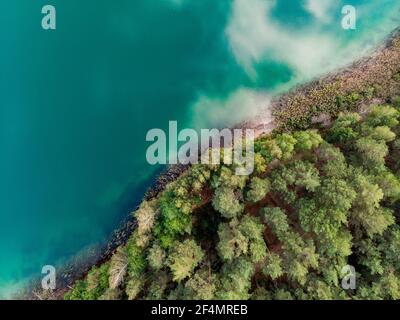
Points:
(76, 103)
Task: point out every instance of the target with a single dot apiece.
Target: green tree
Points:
(225, 201)
(282, 294)
(136, 256)
(235, 280)
(372, 152)
(97, 281)
(387, 287)
(78, 292)
(344, 128)
(91, 288)
(383, 116)
(268, 148)
(134, 286)
(335, 193)
(299, 257)
(227, 178)
(277, 220)
(156, 256)
(158, 283)
(328, 213)
(333, 162)
(244, 237)
(202, 286)
(232, 243)
(260, 164)
(382, 133)
(111, 294)
(184, 258)
(370, 256)
(273, 266)
(286, 144)
(172, 222)
(260, 293)
(319, 290)
(288, 180)
(301, 174)
(389, 245)
(307, 140)
(258, 189)
(389, 184)
(253, 230)
(366, 211)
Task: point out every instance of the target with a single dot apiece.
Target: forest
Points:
(319, 199)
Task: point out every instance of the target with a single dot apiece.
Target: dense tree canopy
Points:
(317, 202)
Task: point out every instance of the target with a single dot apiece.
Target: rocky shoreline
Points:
(79, 265)
(375, 71)
(379, 67)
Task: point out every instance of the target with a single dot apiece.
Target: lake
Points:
(76, 102)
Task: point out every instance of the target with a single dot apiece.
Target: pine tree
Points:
(134, 286)
(202, 286)
(367, 212)
(225, 201)
(156, 257)
(258, 189)
(273, 266)
(183, 258)
(235, 280)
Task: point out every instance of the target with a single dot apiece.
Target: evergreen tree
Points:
(156, 257)
(225, 201)
(367, 212)
(258, 189)
(273, 266)
(202, 286)
(184, 258)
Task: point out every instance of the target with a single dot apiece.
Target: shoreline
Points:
(297, 104)
(79, 265)
(378, 64)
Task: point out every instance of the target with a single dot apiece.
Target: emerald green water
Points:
(76, 103)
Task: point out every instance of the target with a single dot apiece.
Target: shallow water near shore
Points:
(76, 103)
